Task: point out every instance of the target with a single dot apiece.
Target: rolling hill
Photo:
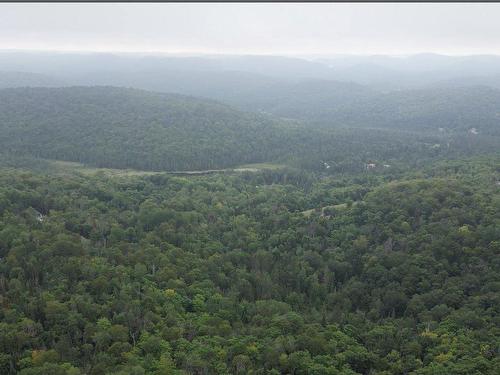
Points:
(330, 103)
(326, 103)
(128, 128)
(117, 127)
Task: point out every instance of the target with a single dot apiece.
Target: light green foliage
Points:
(224, 274)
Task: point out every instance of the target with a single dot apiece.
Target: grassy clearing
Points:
(68, 166)
(72, 167)
(257, 167)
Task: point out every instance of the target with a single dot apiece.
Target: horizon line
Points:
(300, 55)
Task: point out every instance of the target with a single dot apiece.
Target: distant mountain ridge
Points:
(379, 71)
(12, 79)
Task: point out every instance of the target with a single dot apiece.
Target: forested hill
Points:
(456, 109)
(322, 102)
(129, 128)
(118, 127)
(328, 103)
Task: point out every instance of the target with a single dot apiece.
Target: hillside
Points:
(329, 103)
(456, 109)
(421, 92)
(128, 128)
(118, 127)
(326, 103)
(224, 274)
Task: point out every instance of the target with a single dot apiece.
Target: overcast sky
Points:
(296, 29)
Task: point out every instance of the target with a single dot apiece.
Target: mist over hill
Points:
(382, 72)
(11, 79)
(410, 93)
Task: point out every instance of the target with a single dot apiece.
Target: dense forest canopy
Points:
(331, 104)
(129, 128)
(245, 273)
(249, 215)
(118, 127)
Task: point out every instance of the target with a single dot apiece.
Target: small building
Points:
(35, 214)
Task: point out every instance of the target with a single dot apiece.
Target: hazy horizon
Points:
(228, 54)
(294, 29)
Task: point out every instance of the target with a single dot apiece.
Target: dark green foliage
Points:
(129, 128)
(126, 128)
(226, 274)
(369, 252)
